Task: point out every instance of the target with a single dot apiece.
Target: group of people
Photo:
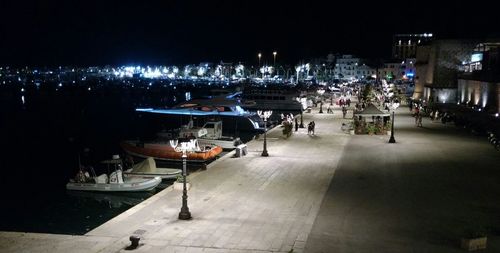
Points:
(344, 102)
(288, 118)
(310, 127)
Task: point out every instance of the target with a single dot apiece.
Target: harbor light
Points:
(394, 106)
(264, 115)
(184, 146)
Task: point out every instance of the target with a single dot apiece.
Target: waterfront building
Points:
(437, 67)
(479, 79)
(404, 46)
(364, 71)
(395, 69)
(346, 67)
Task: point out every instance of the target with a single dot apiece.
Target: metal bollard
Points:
(135, 241)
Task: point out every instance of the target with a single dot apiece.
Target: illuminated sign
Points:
(476, 57)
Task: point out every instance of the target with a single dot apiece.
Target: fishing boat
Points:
(115, 182)
(148, 169)
(161, 150)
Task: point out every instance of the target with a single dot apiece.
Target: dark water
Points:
(40, 144)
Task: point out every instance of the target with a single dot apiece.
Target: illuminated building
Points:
(437, 66)
(404, 46)
(479, 80)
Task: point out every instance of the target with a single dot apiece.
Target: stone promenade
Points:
(330, 192)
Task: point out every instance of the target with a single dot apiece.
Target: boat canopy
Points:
(148, 165)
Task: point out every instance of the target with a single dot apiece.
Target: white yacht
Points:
(228, 109)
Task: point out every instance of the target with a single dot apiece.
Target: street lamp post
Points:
(259, 55)
(394, 106)
(184, 146)
(274, 56)
(265, 115)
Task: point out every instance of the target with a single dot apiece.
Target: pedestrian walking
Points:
(419, 120)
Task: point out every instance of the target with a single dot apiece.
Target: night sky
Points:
(82, 33)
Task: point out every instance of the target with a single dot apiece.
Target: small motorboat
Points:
(115, 182)
(148, 169)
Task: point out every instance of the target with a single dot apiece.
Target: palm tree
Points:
(376, 64)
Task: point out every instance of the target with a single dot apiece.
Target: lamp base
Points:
(392, 140)
(264, 153)
(184, 215)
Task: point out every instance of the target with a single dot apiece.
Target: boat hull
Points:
(164, 173)
(163, 151)
(127, 186)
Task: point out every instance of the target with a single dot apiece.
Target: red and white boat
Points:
(163, 151)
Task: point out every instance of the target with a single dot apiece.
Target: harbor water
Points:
(44, 133)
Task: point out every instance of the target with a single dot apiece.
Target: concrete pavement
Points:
(417, 195)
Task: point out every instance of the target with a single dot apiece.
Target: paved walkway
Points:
(417, 195)
(248, 204)
(331, 192)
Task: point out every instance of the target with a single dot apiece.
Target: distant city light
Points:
(201, 71)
